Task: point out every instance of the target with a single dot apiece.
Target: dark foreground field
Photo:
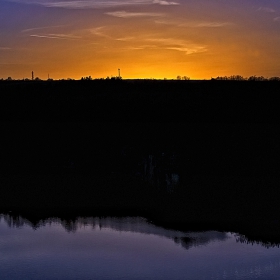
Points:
(189, 154)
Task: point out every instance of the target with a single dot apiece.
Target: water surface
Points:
(127, 248)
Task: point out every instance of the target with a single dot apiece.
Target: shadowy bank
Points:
(199, 153)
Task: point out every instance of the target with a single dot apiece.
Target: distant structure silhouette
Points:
(119, 73)
(32, 75)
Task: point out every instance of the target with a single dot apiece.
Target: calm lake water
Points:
(127, 248)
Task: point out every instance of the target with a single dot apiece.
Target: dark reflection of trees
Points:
(247, 240)
(15, 221)
(188, 242)
(200, 239)
(187, 239)
(69, 225)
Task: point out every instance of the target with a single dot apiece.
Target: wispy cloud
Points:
(90, 4)
(178, 45)
(189, 50)
(125, 39)
(56, 36)
(277, 19)
(99, 31)
(266, 9)
(133, 48)
(4, 49)
(182, 23)
(124, 14)
(4, 64)
(41, 28)
(211, 24)
(66, 36)
(86, 4)
(152, 43)
(165, 3)
(186, 50)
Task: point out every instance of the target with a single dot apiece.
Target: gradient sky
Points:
(144, 38)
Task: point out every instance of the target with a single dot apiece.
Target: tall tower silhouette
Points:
(119, 73)
(32, 75)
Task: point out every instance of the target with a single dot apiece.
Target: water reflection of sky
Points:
(137, 251)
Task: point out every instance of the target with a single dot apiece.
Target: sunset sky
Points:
(144, 38)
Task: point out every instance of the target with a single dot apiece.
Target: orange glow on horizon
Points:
(161, 40)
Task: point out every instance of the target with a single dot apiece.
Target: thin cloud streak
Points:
(183, 23)
(124, 14)
(187, 50)
(86, 4)
(165, 3)
(15, 64)
(195, 24)
(125, 39)
(144, 47)
(40, 28)
(66, 36)
(152, 43)
(211, 24)
(97, 32)
(178, 45)
(56, 36)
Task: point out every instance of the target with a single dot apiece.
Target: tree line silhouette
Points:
(179, 78)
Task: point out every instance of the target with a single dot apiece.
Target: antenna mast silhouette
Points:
(32, 75)
(119, 73)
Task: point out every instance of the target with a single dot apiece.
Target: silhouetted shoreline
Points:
(201, 154)
(140, 101)
(187, 236)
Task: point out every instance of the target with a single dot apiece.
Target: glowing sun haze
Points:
(144, 38)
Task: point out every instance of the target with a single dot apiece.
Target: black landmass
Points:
(186, 154)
